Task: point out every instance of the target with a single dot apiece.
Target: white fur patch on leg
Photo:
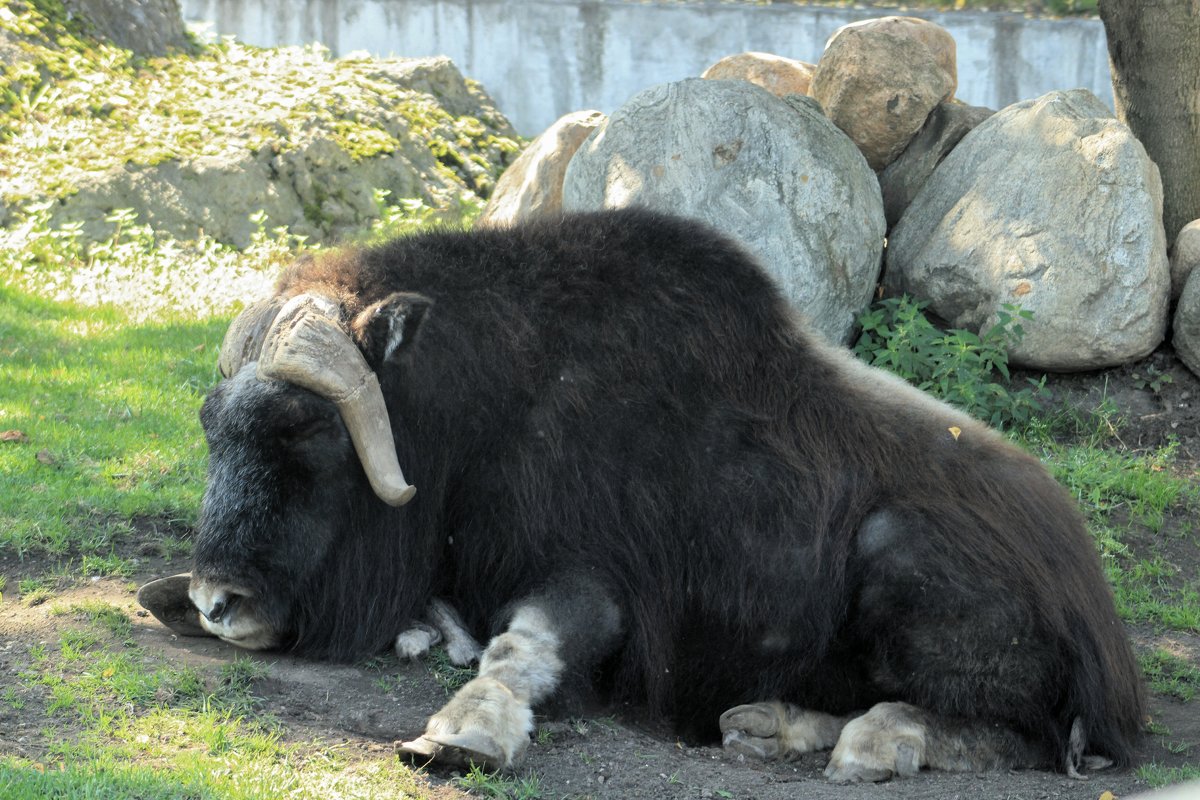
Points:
(888, 740)
(416, 641)
(525, 657)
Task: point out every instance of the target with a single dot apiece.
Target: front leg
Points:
(566, 628)
(442, 623)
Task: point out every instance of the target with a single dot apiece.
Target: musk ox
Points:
(634, 468)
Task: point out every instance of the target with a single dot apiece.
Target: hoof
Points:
(456, 749)
(758, 720)
(167, 599)
(902, 759)
(885, 742)
(751, 731)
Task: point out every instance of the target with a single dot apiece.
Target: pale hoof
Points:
(883, 743)
(757, 719)
(455, 749)
(751, 731)
(872, 769)
(483, 724)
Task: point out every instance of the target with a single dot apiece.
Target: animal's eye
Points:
(298, 419)
(303, 429)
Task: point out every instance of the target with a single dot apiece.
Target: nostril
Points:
(222, 606)
(217, 611)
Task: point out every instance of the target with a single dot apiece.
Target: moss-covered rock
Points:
(199, 143)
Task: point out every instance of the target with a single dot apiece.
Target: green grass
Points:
(109, 415)
(124, 723)
(1157, 775)
(106, 615)
(500, 787)
(1170, 674)
(1105, 481)
(1119, 491)
(450, 677)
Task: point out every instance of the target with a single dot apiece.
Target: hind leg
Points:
(769, 731)
(898, 739)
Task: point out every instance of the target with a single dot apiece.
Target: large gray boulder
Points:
(1186, 325)
(1053, 205)
(1185, 284)
(774, 174)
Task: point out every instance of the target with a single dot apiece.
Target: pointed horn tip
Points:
(398, 497)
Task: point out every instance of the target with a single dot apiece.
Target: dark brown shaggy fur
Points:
(628, 395)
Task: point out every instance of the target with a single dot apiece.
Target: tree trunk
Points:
(1154, 54)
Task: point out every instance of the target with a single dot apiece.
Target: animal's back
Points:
(629, 394)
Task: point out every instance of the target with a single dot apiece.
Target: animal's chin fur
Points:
(365, 593)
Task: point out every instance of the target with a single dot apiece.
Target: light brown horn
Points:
(308, 346)
(243, 341)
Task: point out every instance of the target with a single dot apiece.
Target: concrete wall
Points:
(543, 58)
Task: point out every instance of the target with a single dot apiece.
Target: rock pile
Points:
(1050, 204)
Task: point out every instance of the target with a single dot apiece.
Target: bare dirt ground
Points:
(612, 752)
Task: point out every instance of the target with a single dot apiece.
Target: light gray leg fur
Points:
(461, 647)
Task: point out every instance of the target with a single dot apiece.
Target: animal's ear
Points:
(390, 326)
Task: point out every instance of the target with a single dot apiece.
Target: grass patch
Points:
(1131, 497)
(102, 614)
(109, 415)
(449, 676)
(1105, 481)
(34, 593)
(129, 724)
(1171, 675)
(1157, 775)
(495, 785)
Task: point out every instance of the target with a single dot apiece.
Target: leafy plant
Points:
(963, 368)
(1152, 378)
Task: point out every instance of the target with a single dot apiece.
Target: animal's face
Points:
(282, 472)
(300, 443)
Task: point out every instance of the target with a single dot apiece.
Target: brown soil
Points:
(612, 752)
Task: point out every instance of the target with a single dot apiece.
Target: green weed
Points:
(965, 369)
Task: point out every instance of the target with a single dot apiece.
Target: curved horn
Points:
(243, 341)
(307, 346)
